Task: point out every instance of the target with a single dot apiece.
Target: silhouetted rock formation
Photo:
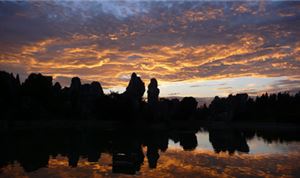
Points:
(89, 93)
(132, 99)
(136, 88)
(9, 95)
(38, 98)
(75, 84)
(153, 110)
(153, 92)
(57, 87)
(38, 86)
(96, 89)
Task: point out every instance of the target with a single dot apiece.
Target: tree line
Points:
(37, 98)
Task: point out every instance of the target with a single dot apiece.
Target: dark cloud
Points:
(207, 85)
(286, 85)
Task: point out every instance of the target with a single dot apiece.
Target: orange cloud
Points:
(187, 43)
(93, 62)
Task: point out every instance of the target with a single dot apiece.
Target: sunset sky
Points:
(199, 49)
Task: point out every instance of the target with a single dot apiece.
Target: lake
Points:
(127, 152)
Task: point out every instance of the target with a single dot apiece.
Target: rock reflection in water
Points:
(139, 152)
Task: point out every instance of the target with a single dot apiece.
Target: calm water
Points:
(257, 145)
(205, 152)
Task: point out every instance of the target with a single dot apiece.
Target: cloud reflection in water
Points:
(175, 162)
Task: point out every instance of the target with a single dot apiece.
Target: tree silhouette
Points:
(38, 99)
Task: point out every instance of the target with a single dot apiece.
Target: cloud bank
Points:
(171, 41)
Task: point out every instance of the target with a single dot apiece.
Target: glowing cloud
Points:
(172, 41)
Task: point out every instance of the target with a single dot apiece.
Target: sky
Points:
(193, 48)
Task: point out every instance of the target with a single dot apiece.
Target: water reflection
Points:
(228, 140)
(130, 151)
